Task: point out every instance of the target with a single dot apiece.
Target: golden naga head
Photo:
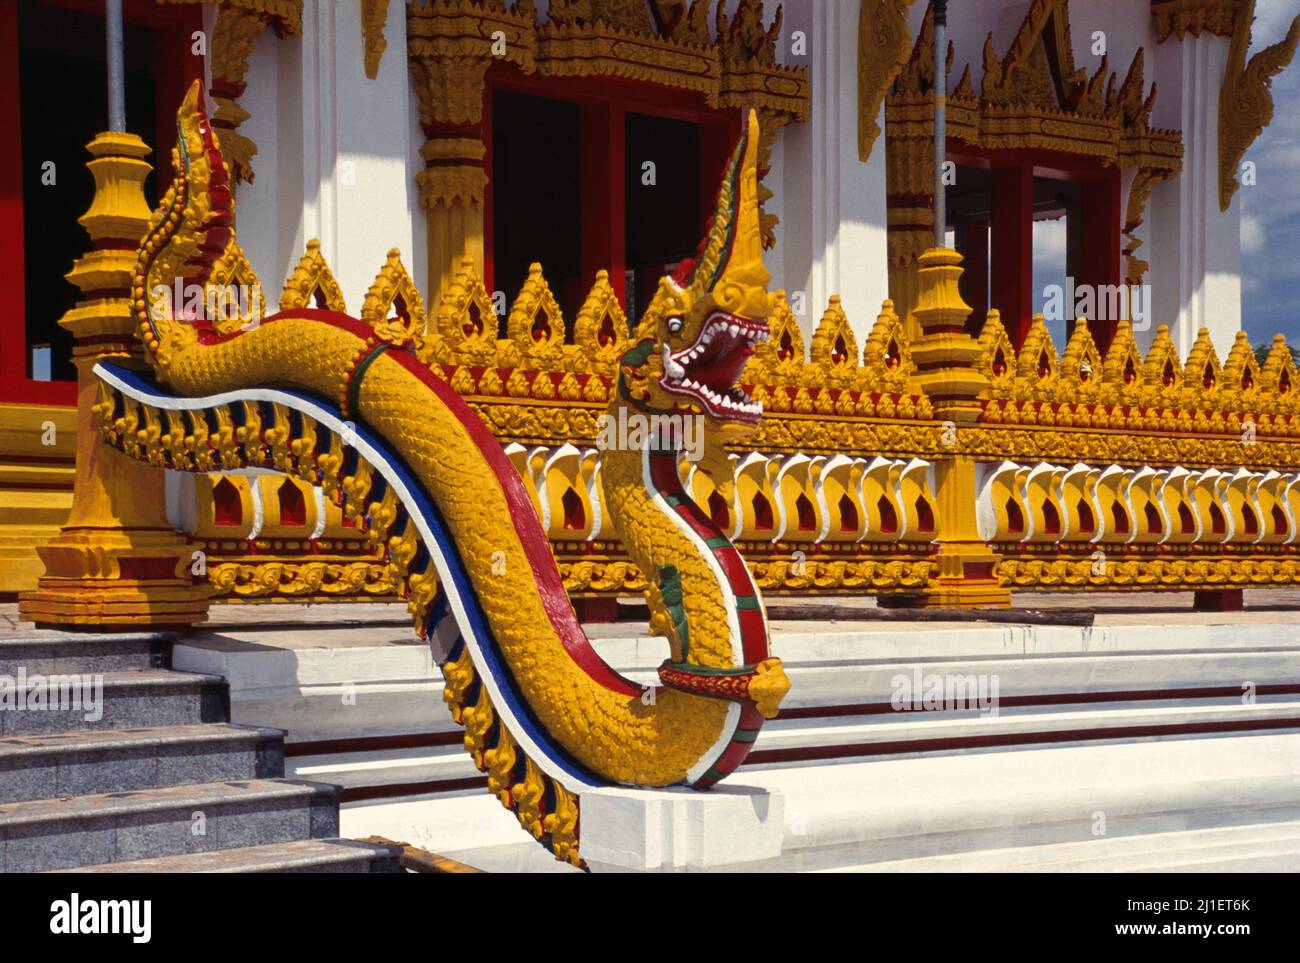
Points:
(704, 321)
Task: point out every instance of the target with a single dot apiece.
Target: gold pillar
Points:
(450, 46)
(451, 193)
(946, 359)
(117, 561)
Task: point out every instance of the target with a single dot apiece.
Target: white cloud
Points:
(1049, 242)
(1252, 234)
(1272, 18)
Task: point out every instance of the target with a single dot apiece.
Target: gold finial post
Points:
(117, 561)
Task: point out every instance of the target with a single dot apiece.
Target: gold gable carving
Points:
(312, 284)
(374, 17)
(883, 44)
(393, 290)
(1245, 103)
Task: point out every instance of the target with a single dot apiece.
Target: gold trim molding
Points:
(239, 24)
(374, 17)
(1179, 18)
(884, 41)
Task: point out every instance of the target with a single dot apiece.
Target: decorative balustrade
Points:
(1125, 471)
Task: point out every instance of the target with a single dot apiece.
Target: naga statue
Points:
(323, 397)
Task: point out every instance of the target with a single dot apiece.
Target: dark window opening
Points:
(1015, 517)
(888, 517)
(762, 512)
(1087, 524)
(807, 517)
(536, 198)
(1217, 523)
(662, 218)
(575, 516)
(1051, 519)
(924, 515)
(1280, 525)
(1119, 518)
(63, 106)
(1154, 525)
(1186, 524)
(1249, 520)
(719, 512)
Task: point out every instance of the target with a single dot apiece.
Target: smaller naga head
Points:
(704, 321)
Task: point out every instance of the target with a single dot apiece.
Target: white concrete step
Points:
(907, 807)
(385, 767)
(864, 681)
(1030, 804)
(861, 735)
(947, 731)
(1271, 847)
(352, 682)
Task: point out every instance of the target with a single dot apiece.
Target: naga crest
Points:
(704, 320)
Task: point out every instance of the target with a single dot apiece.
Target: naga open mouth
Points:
(706, 372)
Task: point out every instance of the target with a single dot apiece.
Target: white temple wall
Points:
(1196, 261)
(340, 152)
(831, 239)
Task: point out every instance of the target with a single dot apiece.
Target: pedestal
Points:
(117, 561)
(680, 830)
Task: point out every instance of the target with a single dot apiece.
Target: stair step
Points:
(115, 827)
(387, 767)
(954, 731)
(303, 856)
(1241, 848)
(62, 652)
(121, 760)
(896, 807)
(130, 699)
(820, 682)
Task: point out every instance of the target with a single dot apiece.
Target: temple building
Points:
(982, 266)
(533, 146)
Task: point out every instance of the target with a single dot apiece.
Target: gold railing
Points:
(950, 471)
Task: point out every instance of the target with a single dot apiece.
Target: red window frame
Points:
(604, 107)
(173, 71)
(1011, 242)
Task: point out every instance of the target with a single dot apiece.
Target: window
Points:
(569, 186)
(51, 54)
(1035, 228)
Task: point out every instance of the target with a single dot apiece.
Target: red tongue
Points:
(721, 372)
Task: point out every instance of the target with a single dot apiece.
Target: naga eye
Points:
(675, 324)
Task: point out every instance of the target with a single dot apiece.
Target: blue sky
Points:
(1270, 211)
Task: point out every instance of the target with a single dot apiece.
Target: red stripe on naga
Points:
(753, 632)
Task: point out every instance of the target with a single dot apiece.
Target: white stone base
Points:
(678, 830)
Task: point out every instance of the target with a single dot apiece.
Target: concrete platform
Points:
(1180, 730)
